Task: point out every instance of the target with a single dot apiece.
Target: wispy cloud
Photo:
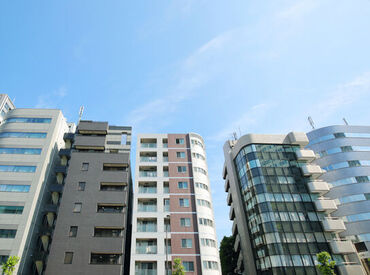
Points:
(298, 9)
(245, 120)
(52, 99)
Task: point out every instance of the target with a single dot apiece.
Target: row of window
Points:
(27, 120)
(205, 203)
(150, 268)
(10, 209)
(97, 258)
(8, 233)
(150, 224)
(357, 217)
(110, 232)
(270, 238)
(205, 221)
(210, 265)
(350, 180)
(21, 151)
(197, 142)
(208, 242)
(101, 207)
(151, 187)
(344, 149)
(353, 198)
(339, 135)
(283, 216)
(14, 188)
(107, 167)
(350, 163)
(104, 186)
(201, 185)
(200, 170)
(17, 168)
(22, 135)
(198, 156)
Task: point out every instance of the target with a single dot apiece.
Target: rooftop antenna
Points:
(235, 136)
(345, 121)
(80, 113)
(310, 120)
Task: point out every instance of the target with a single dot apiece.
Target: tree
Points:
(9, 266)
(178, 268)
(229, 257)
(326, 264)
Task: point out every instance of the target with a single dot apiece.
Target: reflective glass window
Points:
(17, 168)
(27, 120)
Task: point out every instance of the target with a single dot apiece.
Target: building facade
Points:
(280, 220)
(29, 143)
(5, 106)
(345, 156)
(93, 220)
(173, 214)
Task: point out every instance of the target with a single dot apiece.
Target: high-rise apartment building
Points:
(93, 223)
(345, 156)
(173, 213)
(29, 143)
(281, 220)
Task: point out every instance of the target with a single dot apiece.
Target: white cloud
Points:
(52, 99)
(298, 9)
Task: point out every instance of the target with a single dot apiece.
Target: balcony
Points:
(148, 159)
(165, 174)
(342, 247)
(45, 230)
(51, 208)
(231, 213)
(307, 155)
(92, 127)
(318, 187)
(237, 243)
(56, 188)
(61, 169)
(147, 205)
(68, 136)
(327, 206)
(147, 188)
(312, 170)
(148, 145)
(350, 269)
(146, 246)
(39, 256)
(65, 152)
(229, 199)
(333, 225)
(165, 159)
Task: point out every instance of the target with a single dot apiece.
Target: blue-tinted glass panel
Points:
(28, 120)
(9, 209)
(357, 217)
(14, 188)
(8, 233)
(21, 151)
(22, 135)
(17, 168)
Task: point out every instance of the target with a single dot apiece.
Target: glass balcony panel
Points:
(152, 174)
(165, 159)
(146, 249)
(147, 207)
(148, 145)
(148, 159)
(165, 174)
(147, 189)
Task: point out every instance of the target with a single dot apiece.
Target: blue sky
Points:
(205, 66)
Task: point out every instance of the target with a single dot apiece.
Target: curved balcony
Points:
(318, 187)
(342, 247)
(326, 206)
(312, 170)
(305, 154)
(333, 225)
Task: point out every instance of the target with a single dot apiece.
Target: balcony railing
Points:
(147, 208)
(147, 227)
(148, 145)
(146, 271)
(148, 159)
(147, 190)
(166, 189)
(165, 159)
(167, 208)
(165, 145)
(150, 249)
(165, 174)
(151, 174)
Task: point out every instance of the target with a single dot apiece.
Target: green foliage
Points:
(178, 268)
(229, 257)
(10, 264)
(326, 264)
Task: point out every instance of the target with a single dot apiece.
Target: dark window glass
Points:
(85, 166)
(110, 208)
(8, 233)
(107, 232)
(112, 186)
(114, 167)
(81, 186)
(8, 209)
(68, 257)
(73, 231)
(100, 258)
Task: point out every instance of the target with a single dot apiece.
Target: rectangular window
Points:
(180, 155)
(181, 169)
(28, 120)
(14, 188)
(7, 209)
(184, 202)
(73, 231)
(21, 151)
(146, 225)
(114, 167)
(105, 258)
(68, 257)
(110, 208)
(107, 232)
(188, 266)
(3, 259)
(8, 233)
(186, 243)
(112, 186)
(17, 168)
(182, 185)
(77, 207)
(81, 186)
(185, 222)
(22, 135)
(179, 141)
(85, 166)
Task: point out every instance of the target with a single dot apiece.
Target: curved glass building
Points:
(345, 155)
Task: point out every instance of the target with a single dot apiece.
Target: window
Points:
(81, 186)
(208, 242)
(179, 141)
(147, 205)
(146, 268)
(198, 156)
(185, 222)
(105, 258)
(110, 208)
(166, 205)
(114, 167)
(146, 246)
(14, 188)
(21, 151)
(3, 259)
(17, 168)
(8, 209)
(188, 266)
(180, 155)
(210, 265)
(8, 233)
(73, 231)
(77, 208)
(186, 243)
(28, 120)
(196, 142)
(22, 135)
(204, 221)
(182, 185)
(205, 203)
(184, 202)
(200, 170)
(112, 186)
(85, 166)
(146, 225)
(68, 257)
(201, 185)
(108, 232)
(181, 169)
